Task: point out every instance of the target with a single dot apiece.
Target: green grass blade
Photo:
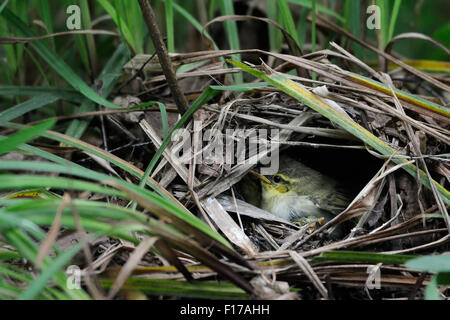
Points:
(124, 30)
(38, 65)
(231, 30)
(197, 25)
(394, 15)
(302, 26)
(432, 290)
(56, 62)
(426, 104)
(68, 168)
(313, 31)
(360, 256)
(3, 5)
(169, 25)
(9, 52)
(193, 289)
(243, 87)
(68, 94)
(80, 44)
(86, 21)
(27, 106)
(164, 121)
(21, 10)
(274, 33)
(38, 212)
(24, 135)
(384, 11)
(435, 263)
(9, 222)
(136, 23)
(12, 182)
(320, 8)
(287, 21)
(7, 255)
(46, 16)
(355, 25)
(77, 127)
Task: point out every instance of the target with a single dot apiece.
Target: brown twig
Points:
(417, 285)
(164, 60)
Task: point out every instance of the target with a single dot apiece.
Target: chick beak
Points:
(260, 177)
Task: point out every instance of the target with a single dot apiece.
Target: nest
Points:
(391, 212)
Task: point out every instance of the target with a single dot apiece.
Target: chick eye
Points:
(277, 179)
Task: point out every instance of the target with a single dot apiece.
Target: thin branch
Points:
(163, 56)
